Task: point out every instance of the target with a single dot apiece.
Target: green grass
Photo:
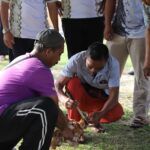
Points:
(3, 63)
(128, 63)
(118, 135)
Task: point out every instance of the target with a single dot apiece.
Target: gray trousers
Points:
(121, 47)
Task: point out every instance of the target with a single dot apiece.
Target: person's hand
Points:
(108, 33)
(9, 39)
(71, 103)
(147, 2)
(68, 134)
(95, 117)
(146, 70)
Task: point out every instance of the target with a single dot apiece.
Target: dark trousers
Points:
(31, 120)
(21, 47)
(80, 33)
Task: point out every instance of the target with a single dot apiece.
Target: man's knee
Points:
(74, 84)
(74, 81)
(49, 106)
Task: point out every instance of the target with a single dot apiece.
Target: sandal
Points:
(139, 122)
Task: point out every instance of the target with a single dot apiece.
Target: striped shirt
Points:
(129, 19)
(27, 17)
(81, 8)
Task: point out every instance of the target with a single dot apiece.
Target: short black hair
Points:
(98, 51)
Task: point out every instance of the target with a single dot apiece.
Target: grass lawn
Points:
(118, 135)
(3, 63)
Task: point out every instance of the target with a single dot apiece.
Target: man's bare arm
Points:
(109, 104)
(110, 6)
(8, 36)
(147, 54)
(112, 100)
(4, 14)
(61, 121)
(60, 84)
(53, 13)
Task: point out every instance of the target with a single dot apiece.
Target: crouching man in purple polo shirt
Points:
(28, 101)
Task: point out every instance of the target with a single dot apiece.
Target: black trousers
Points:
(32, 120)
(21, 47)
(80, 33)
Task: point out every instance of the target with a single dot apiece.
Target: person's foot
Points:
(139, 122)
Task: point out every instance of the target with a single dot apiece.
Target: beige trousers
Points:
(121, 47)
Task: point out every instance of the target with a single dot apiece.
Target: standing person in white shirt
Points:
(26, 19)
(126, 38)
(83, 23)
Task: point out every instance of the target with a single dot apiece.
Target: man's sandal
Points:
(139, 122)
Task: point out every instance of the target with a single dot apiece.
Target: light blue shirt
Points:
(110, 72)
(129, 19)
(147, 15)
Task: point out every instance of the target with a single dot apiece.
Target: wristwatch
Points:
(4, 31)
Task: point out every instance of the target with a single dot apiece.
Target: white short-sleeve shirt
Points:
(81, 8)
(110, 73)
(27, 17)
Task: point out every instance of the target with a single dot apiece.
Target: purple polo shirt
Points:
(24, 80)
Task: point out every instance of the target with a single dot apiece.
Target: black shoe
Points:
(131, 73)
(139, 122)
